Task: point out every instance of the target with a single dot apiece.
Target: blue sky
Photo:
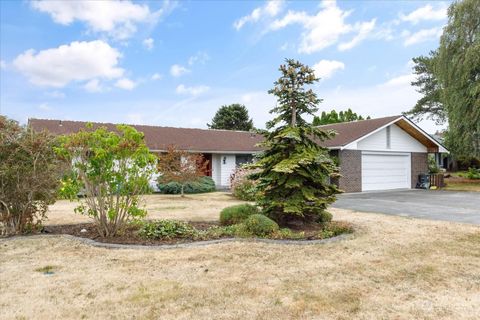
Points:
(175, 63)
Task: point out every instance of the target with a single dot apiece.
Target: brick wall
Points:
(419, 165)
(351, 170)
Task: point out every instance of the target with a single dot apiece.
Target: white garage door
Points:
(384, 171)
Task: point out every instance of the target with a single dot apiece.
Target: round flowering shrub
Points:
(242, 187)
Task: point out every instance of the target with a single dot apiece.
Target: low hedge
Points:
(237, 214)
(202, 185)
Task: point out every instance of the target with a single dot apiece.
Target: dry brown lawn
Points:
(198, 207)
(394, 268)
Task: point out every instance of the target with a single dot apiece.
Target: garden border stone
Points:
(193, 244)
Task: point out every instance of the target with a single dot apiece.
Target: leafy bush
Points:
(432, 165)
(113, 168)
(237, 214)
(324, 216)
(29, 177)
(167, 229)
(260, 225)
(472, 173)
(201, 185)
(242, 187)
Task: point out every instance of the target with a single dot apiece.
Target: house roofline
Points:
(441, 147)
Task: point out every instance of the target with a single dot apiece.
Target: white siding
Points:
(399, 141)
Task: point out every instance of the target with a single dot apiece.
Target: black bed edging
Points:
(192, 244)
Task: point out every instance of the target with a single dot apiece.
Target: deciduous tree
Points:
(29, 177)
(181, 167)
(112, 169)
(449, 80)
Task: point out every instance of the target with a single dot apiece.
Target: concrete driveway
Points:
(426, 204)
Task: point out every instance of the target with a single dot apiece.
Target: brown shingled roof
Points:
(203, 140)
(159, 138)
(350, 131)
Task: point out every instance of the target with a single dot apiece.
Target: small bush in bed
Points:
(167, 229)
(201, 185)
(260, 225)
(237, 214)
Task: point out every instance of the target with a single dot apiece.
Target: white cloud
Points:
(426, 12)
(156, 76)
(3, 65)
(177, 70)
(125, 84)
(325, 28)
(148, 43)
(364, 29)
(422, 36)
(194, 91)
(77, 61)
(324, 69)
(44, 107)
(93, 86)
(55, 94)
(270, 9)
(115, 18)
(403, 80)
(391, 97)
(201, 57)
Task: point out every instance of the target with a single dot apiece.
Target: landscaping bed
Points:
(199, 231)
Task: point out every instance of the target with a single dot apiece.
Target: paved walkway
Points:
(426, 204)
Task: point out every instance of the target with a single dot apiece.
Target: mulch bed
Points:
(130, 235)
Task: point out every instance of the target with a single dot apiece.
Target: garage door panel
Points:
(384, 171)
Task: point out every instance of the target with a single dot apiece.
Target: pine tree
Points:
(294, 168)
(232, 117)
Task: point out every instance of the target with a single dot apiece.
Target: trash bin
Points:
(423, 181)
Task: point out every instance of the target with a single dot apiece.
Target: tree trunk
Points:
(294, 116)
(181, 192)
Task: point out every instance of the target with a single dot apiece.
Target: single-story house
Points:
(376, 154)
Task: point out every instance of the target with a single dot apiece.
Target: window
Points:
(388, 137)
(242, 159)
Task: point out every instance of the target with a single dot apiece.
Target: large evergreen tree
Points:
(337, 117)
(449, 79)
(294, 168)
(232, 117)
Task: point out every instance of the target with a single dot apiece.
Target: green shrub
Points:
(432, 165)
(237, 214)
(324, 216)
(472, 173)
(167, 229)
(260, 225)
(202, 185)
